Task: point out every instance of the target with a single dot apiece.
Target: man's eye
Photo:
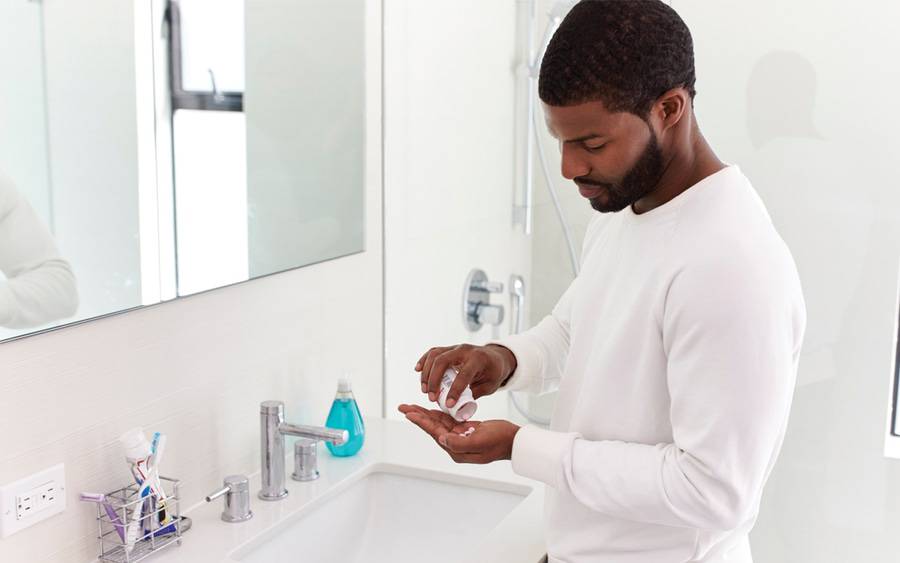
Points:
(594, 148)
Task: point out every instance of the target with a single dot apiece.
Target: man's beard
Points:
(638, 182)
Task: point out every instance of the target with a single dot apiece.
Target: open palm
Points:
(435, 422)
(466, 442)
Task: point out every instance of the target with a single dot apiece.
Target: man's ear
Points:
(669, 109)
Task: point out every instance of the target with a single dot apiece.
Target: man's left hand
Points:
(491, 440)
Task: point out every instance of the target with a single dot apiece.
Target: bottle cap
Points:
(343, 385)
(135, 443)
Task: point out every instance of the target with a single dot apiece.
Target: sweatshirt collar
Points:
(671, 207)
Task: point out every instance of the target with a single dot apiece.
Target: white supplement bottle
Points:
(464, 407)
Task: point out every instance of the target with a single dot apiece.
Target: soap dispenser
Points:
(344, 415)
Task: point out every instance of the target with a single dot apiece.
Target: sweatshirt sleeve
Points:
(732, 328)
(40, 286)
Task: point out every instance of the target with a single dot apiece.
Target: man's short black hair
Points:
(624, 53)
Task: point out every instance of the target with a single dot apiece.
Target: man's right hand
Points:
(484, 368)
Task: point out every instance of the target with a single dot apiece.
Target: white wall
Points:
(796, 93)
(195, 369)
(449, 168)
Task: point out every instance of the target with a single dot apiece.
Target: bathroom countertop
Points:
(518, 537)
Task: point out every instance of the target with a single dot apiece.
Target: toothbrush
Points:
(100, 498)
(146, 472)
(132, 534)
(184, 523)
(157, 451)
(144, 491)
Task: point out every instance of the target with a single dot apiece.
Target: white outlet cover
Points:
(9, 523)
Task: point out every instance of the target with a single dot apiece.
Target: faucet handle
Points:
(305, 460)
(489, 286)
(236, 489)
(489, 314)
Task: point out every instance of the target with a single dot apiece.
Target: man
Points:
(675, 350)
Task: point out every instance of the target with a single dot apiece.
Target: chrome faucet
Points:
(273, 428)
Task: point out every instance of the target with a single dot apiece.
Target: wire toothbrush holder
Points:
(156, 524)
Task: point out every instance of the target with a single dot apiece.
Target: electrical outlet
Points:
(45, 496)
(32, 499)
(24, 506)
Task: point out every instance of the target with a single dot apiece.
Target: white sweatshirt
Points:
(675, 353)
(41, 286)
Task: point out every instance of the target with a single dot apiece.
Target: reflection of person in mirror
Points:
(40, 286)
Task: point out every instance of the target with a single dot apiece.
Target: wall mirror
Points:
(153, 149)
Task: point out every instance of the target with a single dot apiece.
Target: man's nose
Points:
(572, 165)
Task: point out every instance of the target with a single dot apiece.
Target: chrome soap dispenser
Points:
(345, 415)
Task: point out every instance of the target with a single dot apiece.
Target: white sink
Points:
(390, 513)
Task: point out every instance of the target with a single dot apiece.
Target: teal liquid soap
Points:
(345, 415)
